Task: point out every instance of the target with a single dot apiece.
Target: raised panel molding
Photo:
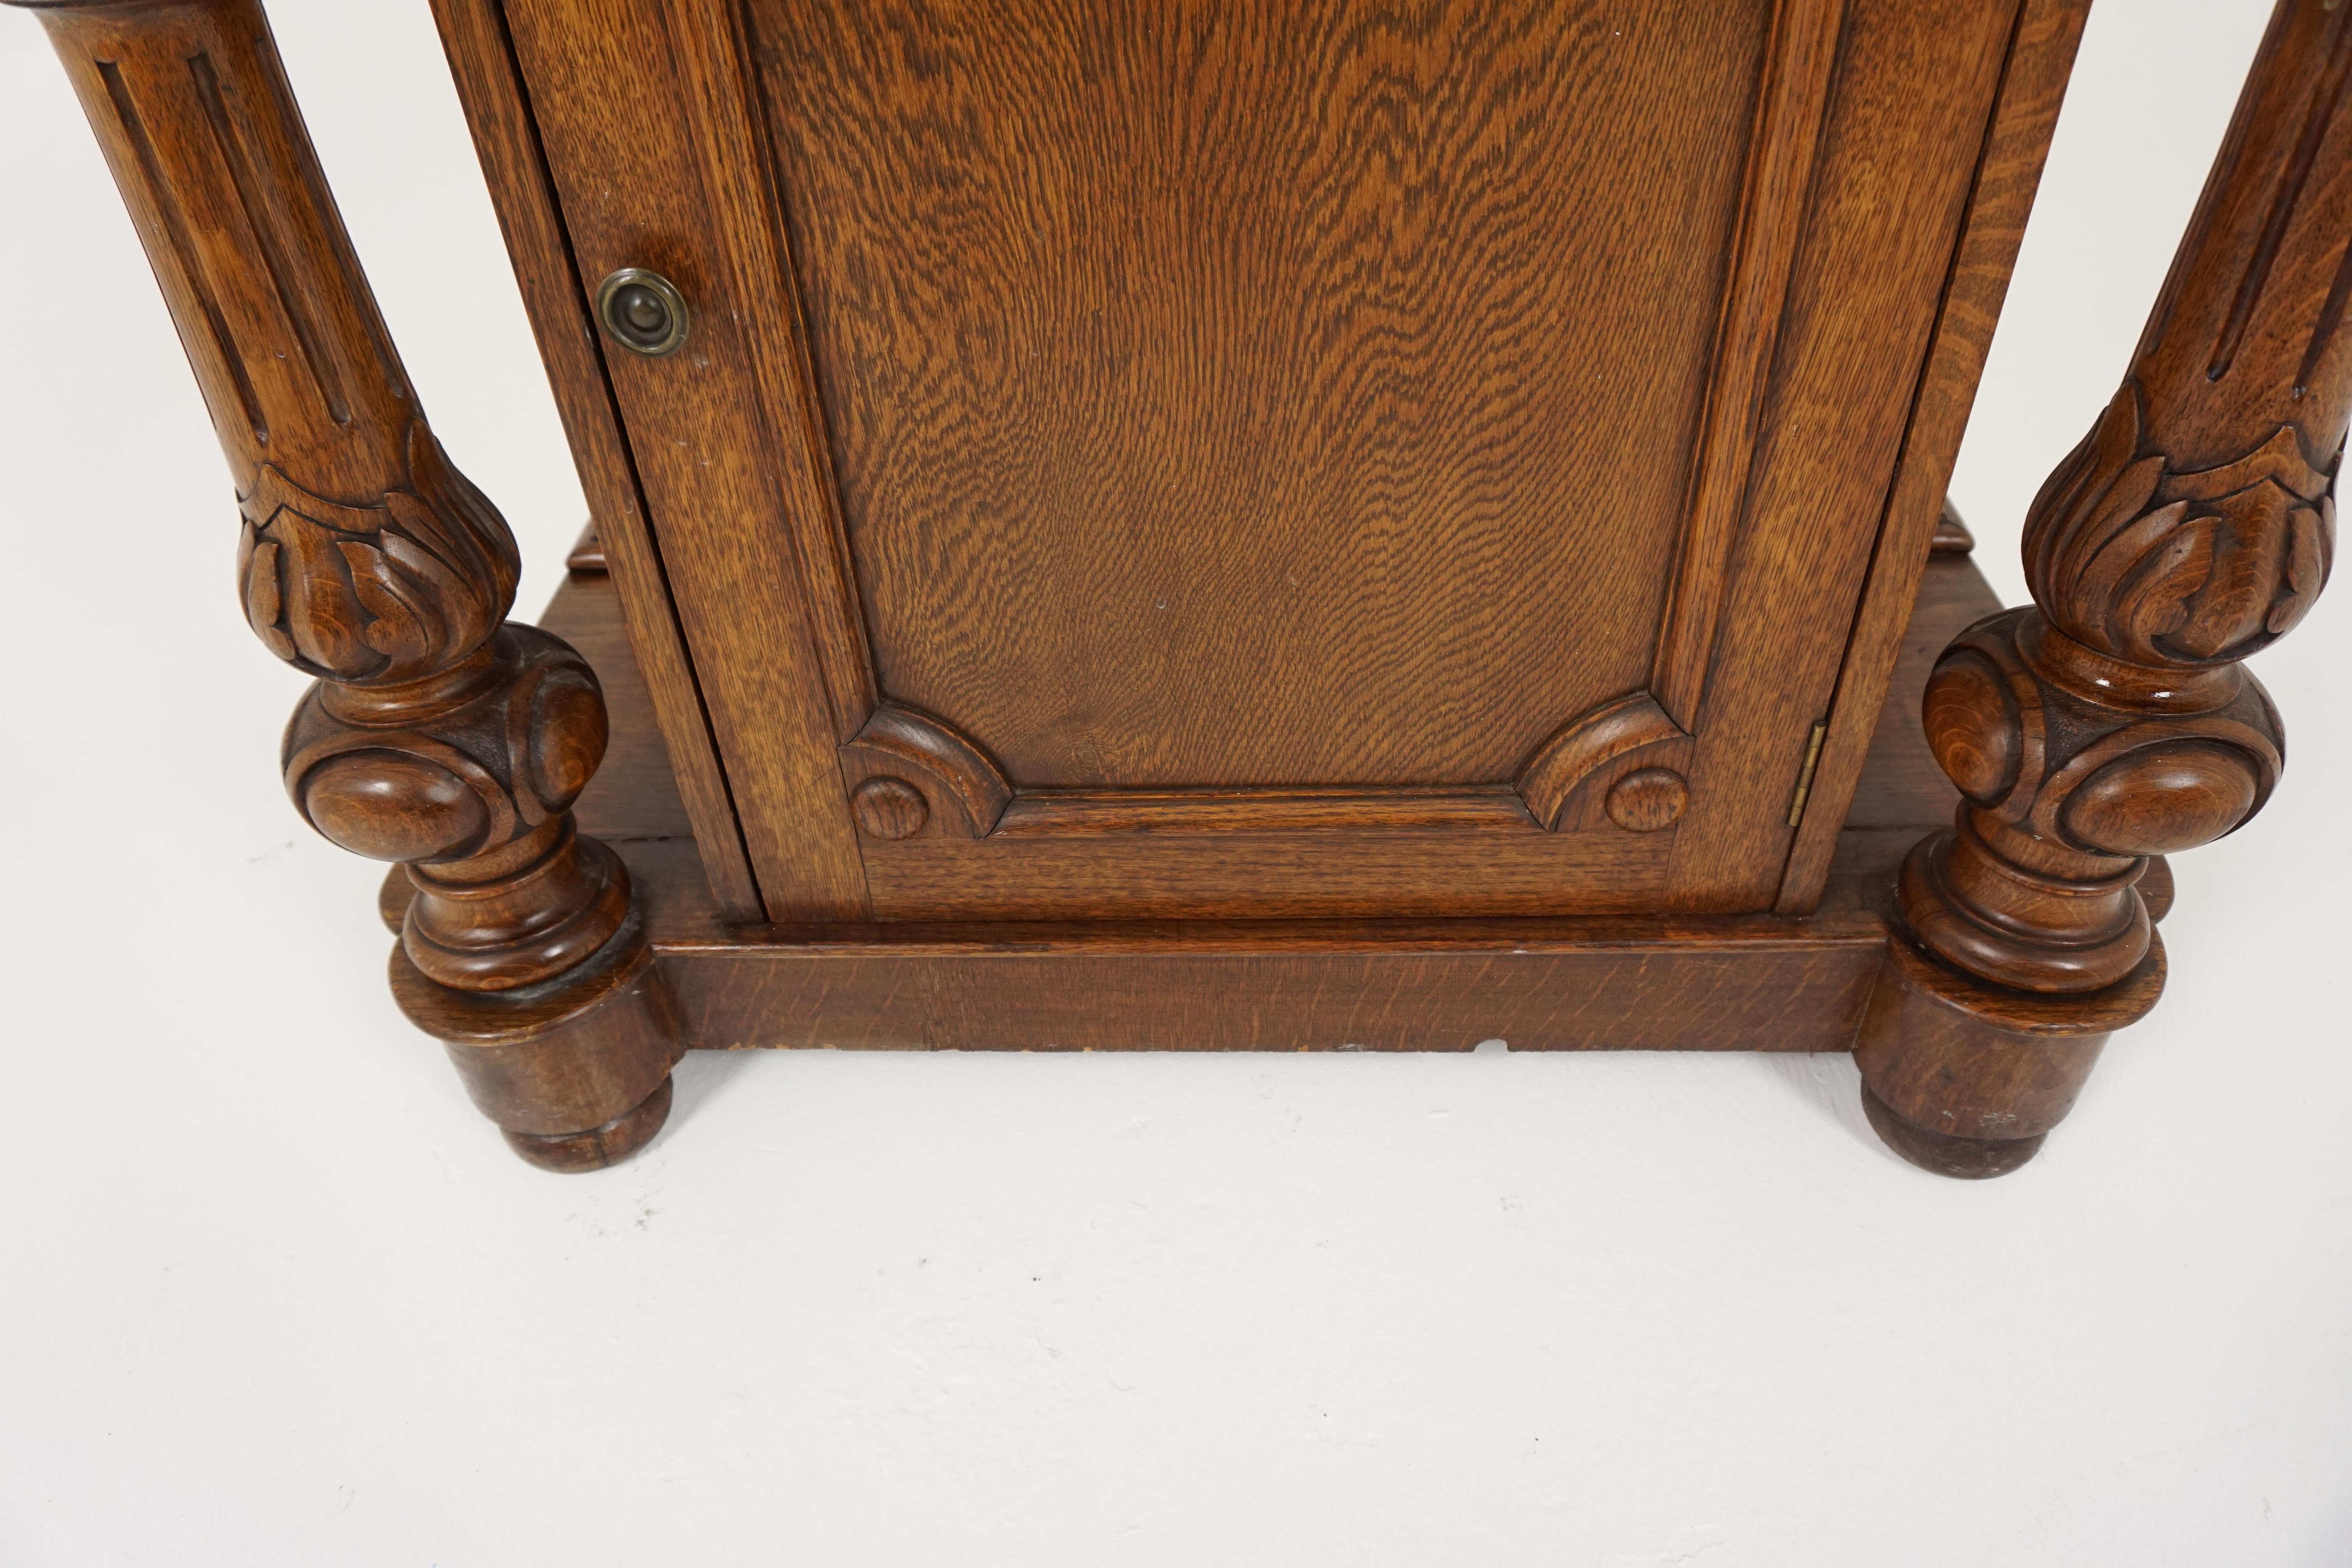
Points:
(759, 556)
(1036, 813)
(1564, 786)
(911, 774)
(1781, 156)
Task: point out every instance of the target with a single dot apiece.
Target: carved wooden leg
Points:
(2111, 722)
(436, 736)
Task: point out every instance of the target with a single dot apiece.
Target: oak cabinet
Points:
(1283, 523)
(1360, 438)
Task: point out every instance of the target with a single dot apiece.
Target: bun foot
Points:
(1970, 1159)
(571, 1152)
(575, 1073)
(1965, 1078)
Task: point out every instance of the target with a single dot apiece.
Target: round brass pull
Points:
(643, 312)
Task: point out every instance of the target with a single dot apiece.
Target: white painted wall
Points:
(271, 1293)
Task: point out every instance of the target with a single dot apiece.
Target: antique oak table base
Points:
(1277, 526)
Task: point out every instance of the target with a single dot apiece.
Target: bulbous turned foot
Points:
(1970, 1159)
(1965, 1078)
(572, 1152)
(574, 1072)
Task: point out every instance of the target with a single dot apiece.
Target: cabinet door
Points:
(1285, 458)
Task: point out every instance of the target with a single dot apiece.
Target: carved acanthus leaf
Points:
(376, 594)
(2179, 569)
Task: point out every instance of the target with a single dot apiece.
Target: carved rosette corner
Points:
(911, 774)
(1621, 764)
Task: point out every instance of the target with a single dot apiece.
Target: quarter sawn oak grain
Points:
(1295, 524)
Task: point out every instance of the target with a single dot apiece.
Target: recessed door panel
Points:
(1296, 393)
(1286, 457)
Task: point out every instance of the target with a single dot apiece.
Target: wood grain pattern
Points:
(1772, 213)
(1648, 800)
(577, 1076)
(1903, 792)
(1590, 983)
(1082, 322)
(1210, 874)
(1200, 384)
(1902, 795)
(1292, 996)
(2033, 81)
(1194, 812)
(1149, 494)
(1968, 1085)
(720, 95)
(1631, 981)
(603, 81)
(1745, 983)
(1899, 771)
(2113, 720)
(506, 141)
(1020, 191)
(1898, 154)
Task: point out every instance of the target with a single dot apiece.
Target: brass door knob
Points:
(643, 312)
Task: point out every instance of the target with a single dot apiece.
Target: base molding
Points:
(577, 1076)
(1760, 983)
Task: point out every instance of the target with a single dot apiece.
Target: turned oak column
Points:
(2111, 722)
(438, 734)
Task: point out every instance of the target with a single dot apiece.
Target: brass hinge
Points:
(1805, 778)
